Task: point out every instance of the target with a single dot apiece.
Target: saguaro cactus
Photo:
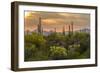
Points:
(39, 26)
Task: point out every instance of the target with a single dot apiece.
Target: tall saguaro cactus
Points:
(55, 30)
(39, 26)
(69, 29)
(72, 27)
(63, 30)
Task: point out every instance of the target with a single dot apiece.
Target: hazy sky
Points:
(51, 20)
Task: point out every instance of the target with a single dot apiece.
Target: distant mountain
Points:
(87, 30)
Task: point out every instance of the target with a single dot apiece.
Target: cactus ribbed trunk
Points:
(39, 26)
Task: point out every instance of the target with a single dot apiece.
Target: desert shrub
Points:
(86, 54)
(55, 39)
(36, 39)
(30, 52)
(57, 52)
(73, 51)
(57, 46)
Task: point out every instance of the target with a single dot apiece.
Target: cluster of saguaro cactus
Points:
(70, 28)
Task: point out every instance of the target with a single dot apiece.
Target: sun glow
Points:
(27, 14)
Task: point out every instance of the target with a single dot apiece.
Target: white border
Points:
(34, 64)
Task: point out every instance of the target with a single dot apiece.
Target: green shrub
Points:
(30, 52)
(57, 52)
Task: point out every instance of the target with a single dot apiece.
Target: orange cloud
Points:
(52, 20)
(49, 21)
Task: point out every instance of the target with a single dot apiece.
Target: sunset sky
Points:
(58, 20)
